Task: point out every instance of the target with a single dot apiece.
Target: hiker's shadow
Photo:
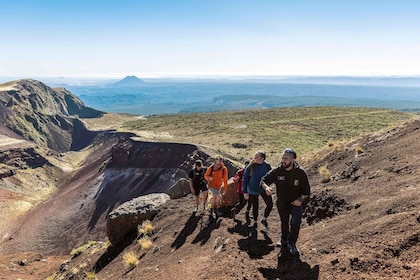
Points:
(204, 235)
(240, 228)
(188, 229)
(290, 267)
(256, 248)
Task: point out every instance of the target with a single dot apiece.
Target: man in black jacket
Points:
(292, 188)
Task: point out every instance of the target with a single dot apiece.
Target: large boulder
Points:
(125, 219)
(179, 189)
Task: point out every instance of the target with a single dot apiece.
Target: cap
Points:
(290, 151)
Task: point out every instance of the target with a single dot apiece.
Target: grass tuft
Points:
(90, 276)
(325, 174)
(145, 243)
(358, 150)
(130, 260)
(146, 228)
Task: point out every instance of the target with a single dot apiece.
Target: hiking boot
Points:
(265, 224)
(195, 209)
(248, 215)
(219, 213)
(293, 249)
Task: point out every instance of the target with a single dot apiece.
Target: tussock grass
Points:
(358, 150)
(238, 134)
(52, 276)
(90, 276)
(145, 243)
(146, 228)
(325, 174)
(130, 260)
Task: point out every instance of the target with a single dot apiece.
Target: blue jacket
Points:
(252, 183)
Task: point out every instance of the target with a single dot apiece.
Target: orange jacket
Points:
(220, 177)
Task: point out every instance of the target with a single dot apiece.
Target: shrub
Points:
(325, 174)
(130, 260)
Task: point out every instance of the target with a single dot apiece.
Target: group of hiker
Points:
(256, 179)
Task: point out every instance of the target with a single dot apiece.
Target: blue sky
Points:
(197, 38)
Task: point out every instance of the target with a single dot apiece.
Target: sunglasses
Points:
(290, 151)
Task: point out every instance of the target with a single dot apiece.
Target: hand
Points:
(246, 196)
(296, 203)
(268, 190)
(210, 179)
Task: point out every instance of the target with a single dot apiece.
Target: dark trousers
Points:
(268, 200)
(290, 219)
(241, 203)
(253, 200)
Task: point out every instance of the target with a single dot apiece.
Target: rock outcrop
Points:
(125, 219)
(179, 189)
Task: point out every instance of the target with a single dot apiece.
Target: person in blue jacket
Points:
(251, 186)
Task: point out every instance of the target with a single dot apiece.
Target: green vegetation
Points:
(305, 129)
(238, 134)
(75, 252)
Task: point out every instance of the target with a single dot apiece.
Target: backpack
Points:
(221, 167)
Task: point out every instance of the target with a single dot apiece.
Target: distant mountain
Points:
(129, 81)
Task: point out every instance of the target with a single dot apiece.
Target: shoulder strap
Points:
(212, 168)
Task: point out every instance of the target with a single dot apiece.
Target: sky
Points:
(185, 38)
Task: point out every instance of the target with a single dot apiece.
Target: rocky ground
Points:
(364, 223)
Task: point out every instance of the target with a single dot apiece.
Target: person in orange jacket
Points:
(217, 182)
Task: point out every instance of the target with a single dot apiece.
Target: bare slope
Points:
(77, 212)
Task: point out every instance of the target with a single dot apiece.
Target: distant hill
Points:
(129, 81)
(44, 115)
